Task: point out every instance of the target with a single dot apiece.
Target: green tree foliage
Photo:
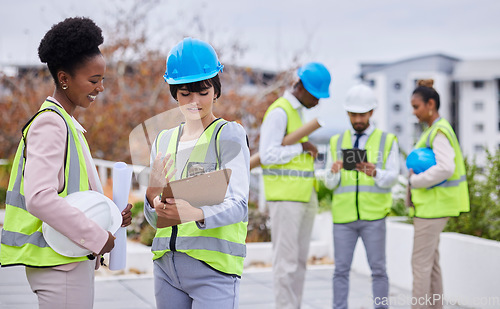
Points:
(483, 220)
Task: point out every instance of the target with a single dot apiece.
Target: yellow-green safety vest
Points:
(222, 248)
(450, 198)
(358, 197)
(22, 239)
(292, 181)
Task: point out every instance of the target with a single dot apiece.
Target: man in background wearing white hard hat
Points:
(288, 173)
(362, 196)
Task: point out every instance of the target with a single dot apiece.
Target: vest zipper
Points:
(173, 237)
(357, 192)
(175, 228)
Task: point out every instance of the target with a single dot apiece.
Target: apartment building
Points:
(477, 92)
(469, 92)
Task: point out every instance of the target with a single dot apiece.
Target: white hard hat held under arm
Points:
(95, 206)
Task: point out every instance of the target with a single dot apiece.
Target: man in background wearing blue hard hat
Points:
(362, 196)
(288, 173)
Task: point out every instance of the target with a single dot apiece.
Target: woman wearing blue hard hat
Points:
(437, 193)
(199, 252)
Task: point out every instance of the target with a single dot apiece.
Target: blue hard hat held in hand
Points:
(420, 160)
(316, 79)
(191, 60)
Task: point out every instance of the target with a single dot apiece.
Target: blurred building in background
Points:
(469, 91)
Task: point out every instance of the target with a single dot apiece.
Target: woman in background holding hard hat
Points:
(434, 202)
(198, 258)
(53, 161)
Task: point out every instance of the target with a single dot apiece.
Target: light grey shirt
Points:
(385, 178)
(235, 155)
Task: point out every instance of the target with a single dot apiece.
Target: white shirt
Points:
(182, 156)
(273, 130)
(385, 178)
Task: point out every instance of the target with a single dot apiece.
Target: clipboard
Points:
(352, 157)
(200, 190)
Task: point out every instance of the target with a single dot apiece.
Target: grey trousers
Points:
(345, 237)
(182, 282)
(291, 227)
(427, 279)
(58, 289)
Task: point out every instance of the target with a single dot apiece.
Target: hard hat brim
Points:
(189, 79)
(358, 110)
(317, 94)
(65, 246)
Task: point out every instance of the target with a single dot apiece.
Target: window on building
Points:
(396, 107)
(397, 86)
(478, 106)
(478, 127)
(478, 148)
(398, 129)
(371, 83)
(478, 84)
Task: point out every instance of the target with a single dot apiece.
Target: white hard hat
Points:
(95, 206)
(360, 99)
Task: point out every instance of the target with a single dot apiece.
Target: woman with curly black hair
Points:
(53, 161)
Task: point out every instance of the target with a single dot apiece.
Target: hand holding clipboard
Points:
(200, 190)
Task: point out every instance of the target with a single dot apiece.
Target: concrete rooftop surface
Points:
(137, 292)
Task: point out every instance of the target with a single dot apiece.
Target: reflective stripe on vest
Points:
(357, 197)
(201, 243)
(450, 198)
(293, 181)
(222, 248)
(22, 240)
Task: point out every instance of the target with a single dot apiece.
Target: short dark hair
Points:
(199, 86)
(68, 44)
(427, 92)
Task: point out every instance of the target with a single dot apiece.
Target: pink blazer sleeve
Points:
(44, 178)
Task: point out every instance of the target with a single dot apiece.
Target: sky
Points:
(279, 35)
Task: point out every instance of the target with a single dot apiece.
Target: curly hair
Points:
(68, 44)
(426, 91)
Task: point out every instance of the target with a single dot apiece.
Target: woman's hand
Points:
(109, 245)
(127, 215)
(179, 210)
(161, 174)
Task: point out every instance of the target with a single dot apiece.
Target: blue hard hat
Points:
(316, 79)
(420, 160)
(191, 60)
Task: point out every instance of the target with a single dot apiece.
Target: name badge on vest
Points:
(197, 168)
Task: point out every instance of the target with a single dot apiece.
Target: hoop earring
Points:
(64, 86)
